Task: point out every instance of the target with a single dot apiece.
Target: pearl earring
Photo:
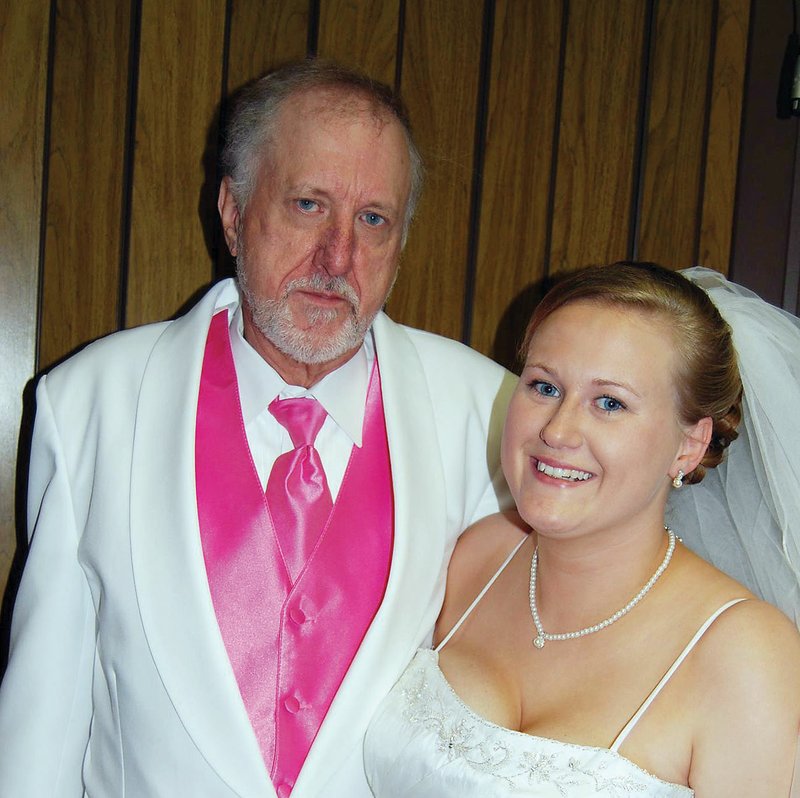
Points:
(678, 481)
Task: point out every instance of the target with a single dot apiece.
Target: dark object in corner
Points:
(788, 103)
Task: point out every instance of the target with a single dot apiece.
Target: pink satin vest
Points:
(290, 644)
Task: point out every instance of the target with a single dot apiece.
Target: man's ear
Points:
(695, 442)
(229, 214)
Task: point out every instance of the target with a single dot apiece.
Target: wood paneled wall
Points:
(556, 133)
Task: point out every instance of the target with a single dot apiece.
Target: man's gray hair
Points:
(252, 123)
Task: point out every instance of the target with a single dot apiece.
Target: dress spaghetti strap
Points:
(622, 736)
(480, 595)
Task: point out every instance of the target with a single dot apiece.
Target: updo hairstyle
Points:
(707, 381)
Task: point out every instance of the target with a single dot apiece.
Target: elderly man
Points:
(241, 519)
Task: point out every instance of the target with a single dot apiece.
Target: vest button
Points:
(291, 704)
(284, 790)
(297, 616)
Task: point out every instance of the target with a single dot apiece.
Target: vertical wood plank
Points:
(80, 279)
(180, 83)
(517, 172)
(674, 147)
(263, 35)
(597, 133)
(24, 32)
(766, 163)
(439, 83)
(361, 34)
(724, 132)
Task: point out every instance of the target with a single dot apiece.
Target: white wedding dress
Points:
(425, 742)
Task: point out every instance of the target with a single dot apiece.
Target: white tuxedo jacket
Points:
(118, 682)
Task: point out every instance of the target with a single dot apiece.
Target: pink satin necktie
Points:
(297, 490)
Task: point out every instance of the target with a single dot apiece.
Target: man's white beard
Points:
(273, 319)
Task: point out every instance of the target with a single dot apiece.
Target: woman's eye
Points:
(307, 205)
(373, 219)
(544, 388)
(609, 404)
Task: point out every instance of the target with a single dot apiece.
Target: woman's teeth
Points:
(571, 474)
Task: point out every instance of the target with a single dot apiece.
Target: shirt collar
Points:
(343, 392)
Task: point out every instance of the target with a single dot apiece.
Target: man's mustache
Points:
(336, 286)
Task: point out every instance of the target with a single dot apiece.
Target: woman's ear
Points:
(695, 442)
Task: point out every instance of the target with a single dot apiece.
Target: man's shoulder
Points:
(122, 349)
(104, 374)
(127, 351)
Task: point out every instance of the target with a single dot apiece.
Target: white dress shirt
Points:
(343, 394)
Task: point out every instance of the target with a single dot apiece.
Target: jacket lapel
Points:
(169, 570)
(417, 574)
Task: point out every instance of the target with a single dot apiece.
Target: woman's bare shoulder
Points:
(747, 700)
(489, 540)
(750, 639)
(754, 638)
(480, 551)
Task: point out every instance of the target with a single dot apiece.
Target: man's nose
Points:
(562, 430)
(337, 249)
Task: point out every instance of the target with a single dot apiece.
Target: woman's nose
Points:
(562, 429)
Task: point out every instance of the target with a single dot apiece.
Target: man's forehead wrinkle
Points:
(333, 103)
(337, 103)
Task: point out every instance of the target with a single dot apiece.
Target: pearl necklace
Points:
(542, 636)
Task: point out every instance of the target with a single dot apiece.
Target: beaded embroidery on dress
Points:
(424, 742)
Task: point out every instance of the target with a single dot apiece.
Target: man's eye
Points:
(609, 404)
(544, 388)
(373, 219)
(307, 205)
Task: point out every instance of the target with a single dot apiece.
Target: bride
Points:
(583, 649)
